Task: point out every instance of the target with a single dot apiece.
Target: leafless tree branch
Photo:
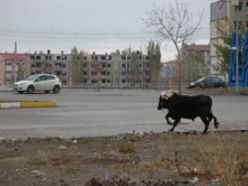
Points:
(174, 24)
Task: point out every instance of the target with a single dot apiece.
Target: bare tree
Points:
(174, 24)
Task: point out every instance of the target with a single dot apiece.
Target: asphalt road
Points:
(84, 113)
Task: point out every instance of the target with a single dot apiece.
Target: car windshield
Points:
(30, 78)
(201, 79)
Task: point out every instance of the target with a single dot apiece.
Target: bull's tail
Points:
(216, 123)
(211, 116)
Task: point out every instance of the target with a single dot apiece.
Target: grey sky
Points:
(90, 25)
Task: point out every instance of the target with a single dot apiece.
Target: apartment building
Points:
(11, 68)
(196, 61)
(227, 15)
(169, 75)
(57, 64)
(126, 69)
(115, 70)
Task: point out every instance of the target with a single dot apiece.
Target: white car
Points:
(39, 83)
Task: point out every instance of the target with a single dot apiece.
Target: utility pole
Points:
(15, 62)
(235, 4)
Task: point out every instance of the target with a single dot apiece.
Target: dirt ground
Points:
(218, 158)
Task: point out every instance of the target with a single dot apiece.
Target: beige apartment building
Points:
(126, 69)
(229, 14)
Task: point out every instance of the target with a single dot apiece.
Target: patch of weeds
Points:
(126, 148)
(132, 137)
(73, 165)
(40, 158)
(223, 158)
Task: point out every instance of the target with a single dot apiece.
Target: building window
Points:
(38, 64)
(240, 5)
(93, 73)
(234, 24)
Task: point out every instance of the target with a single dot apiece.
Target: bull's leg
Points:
(167, 119)
(175, 124)
(206, 123)
(210, 117)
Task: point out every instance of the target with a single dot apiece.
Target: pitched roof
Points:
(193, 46)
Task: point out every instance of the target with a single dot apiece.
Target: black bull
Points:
(189, 107)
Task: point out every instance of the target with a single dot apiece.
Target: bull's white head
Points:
(167, 94)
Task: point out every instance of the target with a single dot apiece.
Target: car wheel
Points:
(30, 89)
(20, 92)
(56, 89)
(47, 91)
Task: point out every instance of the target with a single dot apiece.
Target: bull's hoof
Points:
(204, 132)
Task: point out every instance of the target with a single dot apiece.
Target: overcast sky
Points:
(90, 25)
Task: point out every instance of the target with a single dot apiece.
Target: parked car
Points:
(209, 81)
(39, 83)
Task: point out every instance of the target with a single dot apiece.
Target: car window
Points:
(50, 77)
(41, 78)
(208, 79)
(217, 80)
(201, 79)
(30, 78)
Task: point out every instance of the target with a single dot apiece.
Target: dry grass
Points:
(223, 158)
(126, 148)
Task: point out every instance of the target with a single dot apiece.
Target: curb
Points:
(26, 104)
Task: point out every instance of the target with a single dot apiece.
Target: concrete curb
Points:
(26, 104)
